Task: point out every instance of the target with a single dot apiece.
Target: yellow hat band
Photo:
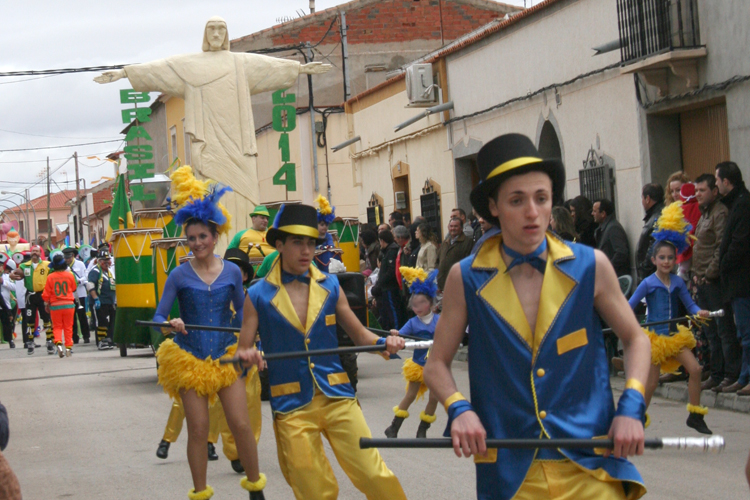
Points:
(514, 163)
(300, 230)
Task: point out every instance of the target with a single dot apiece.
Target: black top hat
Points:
(103, 255)
(506, 156)
(237, 256)
(301, 220)
(70, 250)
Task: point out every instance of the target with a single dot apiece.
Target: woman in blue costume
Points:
(189, 368)
(423, 289)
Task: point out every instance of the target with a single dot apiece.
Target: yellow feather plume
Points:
(186, 186)
(325, 207)
(672, 218)
(412, 273)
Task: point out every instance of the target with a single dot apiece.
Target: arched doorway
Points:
(549, 144)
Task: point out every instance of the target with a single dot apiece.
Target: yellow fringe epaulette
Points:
(414, 373)
(665, 347)
(180, 370)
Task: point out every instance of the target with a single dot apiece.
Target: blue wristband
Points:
(458, 408)
(631, 404)
(380, 341)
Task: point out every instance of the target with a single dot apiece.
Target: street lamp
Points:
(28, 203)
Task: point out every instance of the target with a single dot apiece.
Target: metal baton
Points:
(326, 352)
(713, 444)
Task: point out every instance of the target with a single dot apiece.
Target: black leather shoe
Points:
(163, 450)
(724, 383)
(392, 431)
(12, 344)
(237, 467)
(86, 341)
(257, 495)
(212, 456)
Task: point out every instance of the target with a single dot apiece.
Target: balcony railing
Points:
(649, 27)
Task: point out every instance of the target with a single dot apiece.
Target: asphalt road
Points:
(87, 427)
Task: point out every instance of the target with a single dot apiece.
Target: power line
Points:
(61, 71)
(27, 79)
(54, 159)
(58, 147)
(50, 136)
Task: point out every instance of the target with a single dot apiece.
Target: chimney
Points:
(312, 6)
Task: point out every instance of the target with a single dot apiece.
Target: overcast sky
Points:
(71, 109)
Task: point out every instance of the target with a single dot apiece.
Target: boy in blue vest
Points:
(295, 308)
(537, 363)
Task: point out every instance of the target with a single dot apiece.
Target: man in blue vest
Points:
(537, 362)
(296, 308)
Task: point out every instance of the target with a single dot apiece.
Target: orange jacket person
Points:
(59, 297)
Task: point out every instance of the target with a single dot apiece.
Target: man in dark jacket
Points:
(652, 199)
(391, 314)
(721, 333)
(734, 261)
(610, 236)
(455, 247)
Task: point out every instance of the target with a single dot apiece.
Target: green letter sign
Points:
(283, 107)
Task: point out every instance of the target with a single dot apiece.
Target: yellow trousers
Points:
(563, 480)
(303, 460)
(217, 421)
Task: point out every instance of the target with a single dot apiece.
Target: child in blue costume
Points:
(537, 361)
(423, 289)
(326, 215)
(663, 291)
(189, 368)
(296, 307)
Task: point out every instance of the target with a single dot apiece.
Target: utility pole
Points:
(79, 222)
(309, 58)
(49, 221)
(345, 59)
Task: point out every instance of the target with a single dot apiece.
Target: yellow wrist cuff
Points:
(632, 383)
(456, 396)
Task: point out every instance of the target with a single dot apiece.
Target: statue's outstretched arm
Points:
(314, 68)
(110, 76)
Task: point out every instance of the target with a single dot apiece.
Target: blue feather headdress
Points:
(419, 281)
(326, 213)
(673, 228)
(197, 200)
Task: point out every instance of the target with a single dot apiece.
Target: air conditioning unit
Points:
(419, 87)
(400, 200)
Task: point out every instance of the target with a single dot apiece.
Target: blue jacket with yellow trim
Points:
(293, 382)
(552, 383)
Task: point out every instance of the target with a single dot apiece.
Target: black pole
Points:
(654, 323)
(229, 329)
(503, 443)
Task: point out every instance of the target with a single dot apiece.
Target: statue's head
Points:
(215, 36)
(13, 237)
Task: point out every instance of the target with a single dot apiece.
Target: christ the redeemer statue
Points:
(216, 85)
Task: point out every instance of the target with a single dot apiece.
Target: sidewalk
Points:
(677, 391)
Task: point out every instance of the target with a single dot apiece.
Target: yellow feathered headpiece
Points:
(419, 280)
(326, 213)
(196, 199)
(673, 228)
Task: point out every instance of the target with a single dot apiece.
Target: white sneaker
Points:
(68, 352)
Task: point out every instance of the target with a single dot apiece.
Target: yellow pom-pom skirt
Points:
(665, 347)
(414, 373)
(180, 371)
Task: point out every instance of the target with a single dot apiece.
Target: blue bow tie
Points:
(289, 277)
(532, 259)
